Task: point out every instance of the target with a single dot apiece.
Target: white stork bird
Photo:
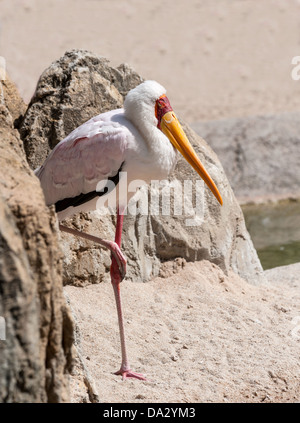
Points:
(142, 139)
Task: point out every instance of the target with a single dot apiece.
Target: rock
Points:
(80, 85)
(9, 96)
(82, 385)
(284, 276)
(36, 356)
(260, 154)
(20, 360)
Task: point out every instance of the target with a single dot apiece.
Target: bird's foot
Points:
(119, 264)
(129, 373)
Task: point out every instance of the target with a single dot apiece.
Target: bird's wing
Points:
(92, 152)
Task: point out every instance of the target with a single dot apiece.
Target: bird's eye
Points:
(159, 105)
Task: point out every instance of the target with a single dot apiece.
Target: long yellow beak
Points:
(173, 130)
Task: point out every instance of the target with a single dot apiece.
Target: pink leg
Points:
(116, 278)
(112, 246)
(117, 271)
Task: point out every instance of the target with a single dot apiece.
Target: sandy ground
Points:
(199, 335)
(217, 58)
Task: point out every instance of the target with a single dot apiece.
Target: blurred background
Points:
(218, 59)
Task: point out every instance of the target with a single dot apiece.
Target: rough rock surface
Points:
(260, 154)
(35, 358)
(80, 85)
(199, 335)
(284, 276)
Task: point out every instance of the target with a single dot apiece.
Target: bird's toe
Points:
(129, 373)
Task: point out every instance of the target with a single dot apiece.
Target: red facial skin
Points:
(162, 107)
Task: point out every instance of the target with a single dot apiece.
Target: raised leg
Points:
(119, 257)
(116, 278)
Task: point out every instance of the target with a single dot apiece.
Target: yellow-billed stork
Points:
(142, 139)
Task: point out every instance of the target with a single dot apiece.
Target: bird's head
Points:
(149, 101)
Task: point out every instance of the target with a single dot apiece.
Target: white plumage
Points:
(96, 150)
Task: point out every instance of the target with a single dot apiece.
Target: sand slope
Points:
(200, 336)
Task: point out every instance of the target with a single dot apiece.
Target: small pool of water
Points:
(275, 232)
